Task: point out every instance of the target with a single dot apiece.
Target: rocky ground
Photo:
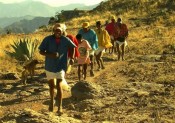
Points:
(140, 89)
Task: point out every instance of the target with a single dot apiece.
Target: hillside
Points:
(146, 11)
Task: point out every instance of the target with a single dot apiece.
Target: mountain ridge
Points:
(35, 8)
(13, 13)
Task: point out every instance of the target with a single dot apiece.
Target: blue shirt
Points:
(49, 45)
(91, 37)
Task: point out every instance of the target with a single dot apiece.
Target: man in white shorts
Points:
(104, 41)
(121, 38)
(55, 49)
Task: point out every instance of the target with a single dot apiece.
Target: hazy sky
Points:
(57, 2)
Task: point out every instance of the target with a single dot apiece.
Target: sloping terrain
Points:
(140, 89)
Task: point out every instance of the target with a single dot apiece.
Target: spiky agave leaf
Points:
(24, 49)
(32, 46)
(18, 51)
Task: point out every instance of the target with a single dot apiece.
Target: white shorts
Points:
(112, 37)
(52, 75)
(100, 49)
(120, 43)
(91, 52)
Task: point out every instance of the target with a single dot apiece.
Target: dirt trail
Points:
(126, 91)
(12, 101)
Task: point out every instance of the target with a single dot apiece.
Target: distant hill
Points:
(22, 17)
(35, 8)
(27, 26)
(76, 6)
(5, 21)
(32, 8)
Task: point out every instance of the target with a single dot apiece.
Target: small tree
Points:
(8, 31)
(52, 20)
(59, 17)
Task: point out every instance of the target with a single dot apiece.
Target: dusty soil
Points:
(140, 89)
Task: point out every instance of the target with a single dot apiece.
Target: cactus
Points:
(24, 49)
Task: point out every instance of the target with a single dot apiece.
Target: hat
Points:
(63, 26)
(112, 17)
(57, 26)
(85, 25)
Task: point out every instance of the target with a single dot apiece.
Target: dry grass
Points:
(143, 39)
(10, 64)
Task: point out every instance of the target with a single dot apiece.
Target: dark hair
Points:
(98, 23)
(78, 36)
(119, 19)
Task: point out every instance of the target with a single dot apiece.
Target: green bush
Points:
(24, 49)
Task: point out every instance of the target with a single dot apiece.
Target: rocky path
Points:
(122, 92)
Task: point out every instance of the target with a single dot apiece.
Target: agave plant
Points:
(24, 49)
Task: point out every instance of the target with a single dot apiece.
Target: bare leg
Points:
(114, 44)
(85, 69)
(79, 72)
(32, 73)
(98, 60)
(59, 96)
(101, 60)
(92, 65)
(112, 48)
(51, 90)
(123, 51)
(118, 50)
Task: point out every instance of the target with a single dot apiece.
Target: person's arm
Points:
(107, 38)
(95, 40)
(108, 29)
(88, 46)
(43, 49)
(71, 49)
(50, 55)
(126, 31)
(72, 54)
(76, 48)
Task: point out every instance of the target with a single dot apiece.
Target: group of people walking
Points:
(62, 49)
